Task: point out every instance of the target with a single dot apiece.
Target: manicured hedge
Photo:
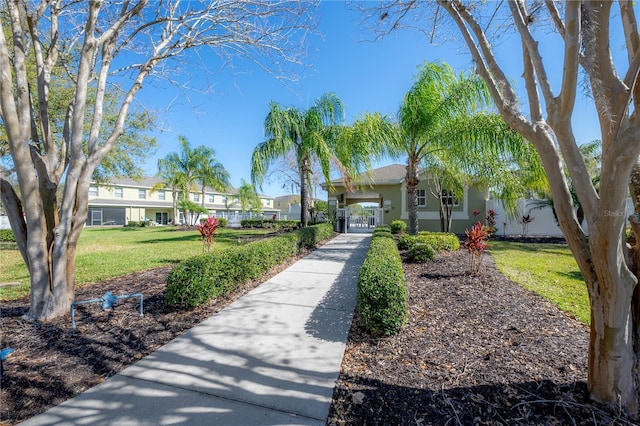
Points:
(382, 290)
(197, 280)
(270, 224)
(439, 241)
(7, 235)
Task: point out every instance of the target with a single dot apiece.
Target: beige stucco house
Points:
(386, 189)
(125, 200)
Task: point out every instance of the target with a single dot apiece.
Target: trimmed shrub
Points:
(223, 222)
(196, 281)
(398, 227)
(7, 235)
(382, 291)
(406, 241)
(439, 241)
(382, 231)
(312, 235)
(421, 253)
(279, 225)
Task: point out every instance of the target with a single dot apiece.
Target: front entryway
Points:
(358, 219)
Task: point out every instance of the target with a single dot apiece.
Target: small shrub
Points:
(134, 224)
(477, 242)
(223, 222)
(421, 253)
(398, 227)
(6, 235)
(406, 241)
(439, 241)
(382, 291)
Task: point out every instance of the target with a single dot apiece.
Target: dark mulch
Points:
(478, 350)
(54, 362)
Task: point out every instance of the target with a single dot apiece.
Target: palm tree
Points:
(440, 121)
(210, 172)
(181, 170)
(309, 134)
(248, 198)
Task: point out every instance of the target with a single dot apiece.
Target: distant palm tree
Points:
(181, 170)
(309, 134)
(248, 198)
(441, 124)
(210, 172)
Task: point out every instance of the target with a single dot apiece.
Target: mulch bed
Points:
(478, 350)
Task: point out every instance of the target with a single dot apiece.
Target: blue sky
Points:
(367, 76)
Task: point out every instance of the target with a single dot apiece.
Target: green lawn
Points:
(547, 269)
(111, 252)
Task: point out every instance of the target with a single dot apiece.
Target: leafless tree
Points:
(584, 30)
(99, 42)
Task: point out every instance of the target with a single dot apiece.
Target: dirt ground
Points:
(477, 350)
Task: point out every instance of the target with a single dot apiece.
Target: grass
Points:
(111, 252)
(547, 269)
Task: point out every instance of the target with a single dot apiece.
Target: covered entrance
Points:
(358, 219)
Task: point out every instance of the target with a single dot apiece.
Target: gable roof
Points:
(387, 175)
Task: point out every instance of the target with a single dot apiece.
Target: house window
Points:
(422, 197)
(161, 195)
(196, 198)
(93, 190)
(448, 199)
(212, 198)
(117, 192)
(142, 194)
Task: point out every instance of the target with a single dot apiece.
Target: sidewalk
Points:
(271, 357)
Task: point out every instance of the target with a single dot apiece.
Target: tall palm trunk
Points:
(412, 196)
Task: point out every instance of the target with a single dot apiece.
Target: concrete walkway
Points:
(271, 357)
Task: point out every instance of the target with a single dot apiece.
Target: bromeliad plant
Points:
(477, 242)
(207, 230)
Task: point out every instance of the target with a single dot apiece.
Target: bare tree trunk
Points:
(412, 197)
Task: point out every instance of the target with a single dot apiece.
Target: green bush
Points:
(223, 222)
(382, 291)
(439, 241)
(7, 235)
(312, 235)
(406, 241)
(398, 227)
(196, 281)
(134, 224)
(382, 231)
(278, 225)
(421, 253)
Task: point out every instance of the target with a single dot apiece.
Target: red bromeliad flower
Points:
(207, 230)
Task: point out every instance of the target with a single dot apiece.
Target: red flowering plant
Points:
(477, 242)
(207, 229)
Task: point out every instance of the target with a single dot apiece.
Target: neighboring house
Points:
(289, 206)
(125, 200)
(386, 189)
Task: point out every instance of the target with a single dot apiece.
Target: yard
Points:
(477, 349)
(110, 252)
